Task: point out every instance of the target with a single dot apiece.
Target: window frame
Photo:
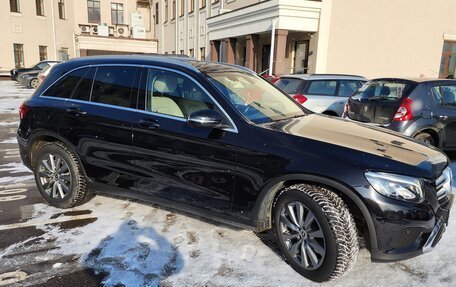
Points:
(157, 13)
(16, 8)
(39, 8)
(61, 8)
(117, 12)
(42, 52)
(18, 52)
(173, 13)
(192, 6)
(94, 9)
(203, 4)
(166, 12)
(181, 8)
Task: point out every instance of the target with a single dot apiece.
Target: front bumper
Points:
(404, 238)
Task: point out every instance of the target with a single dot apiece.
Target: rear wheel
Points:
(315, 231)
(34, 83)
(425, 137)
(59, 177)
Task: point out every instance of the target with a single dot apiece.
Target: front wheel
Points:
(59, 176)
(315, 231)
(34, 83)
(425, 137)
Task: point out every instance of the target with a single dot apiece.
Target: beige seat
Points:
(164, 105)
(164, 86)
(189, 106)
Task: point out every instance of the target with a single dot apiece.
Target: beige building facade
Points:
(34, 30)
(366, 37)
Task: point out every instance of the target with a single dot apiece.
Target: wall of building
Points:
(384, 38)
(32, 31)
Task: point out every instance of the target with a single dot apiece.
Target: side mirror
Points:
(205, 119)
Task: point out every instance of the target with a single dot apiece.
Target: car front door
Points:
(445, 97)
(190, 165)
(97, 121)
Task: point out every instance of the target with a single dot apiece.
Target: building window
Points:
(19, 55)
(39, 7)
(203, 53)
(191, 53)
(448, 63)
(173, 52)
(174, 10)
(157, 18)
(166, 11)
(43, 53)
(14, 6)
(215, 1)
(61, 9)
(182, 8)
(63, 54)
(192, 6)
(117, 13)
(93, 9)
(182, 52)
(203, 4)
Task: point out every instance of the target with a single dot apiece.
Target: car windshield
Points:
(385, 91)
(256, 99)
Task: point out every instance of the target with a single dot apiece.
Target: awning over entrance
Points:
(292, 15)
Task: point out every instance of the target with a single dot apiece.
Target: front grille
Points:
(443, 185)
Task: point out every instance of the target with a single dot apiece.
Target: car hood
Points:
(22, 70)
(380, 143)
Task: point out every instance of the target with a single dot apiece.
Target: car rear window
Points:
(290, 86)
(322, 87)
(385, 91)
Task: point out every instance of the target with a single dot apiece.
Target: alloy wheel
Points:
(55, 176)
(302, 235)
(34, 83)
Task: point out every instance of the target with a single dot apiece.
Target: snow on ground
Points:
(138, 244)
(14, 167)
(11, 96)
(12, 140)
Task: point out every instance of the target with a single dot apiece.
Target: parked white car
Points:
(321, 93)
(43, 73)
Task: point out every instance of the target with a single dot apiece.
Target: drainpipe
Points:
(271, 54)
(54, 36)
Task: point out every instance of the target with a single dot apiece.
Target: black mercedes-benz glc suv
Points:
(218, 141)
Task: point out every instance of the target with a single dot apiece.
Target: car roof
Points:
(416, 80)
(161, 60)
(325, 77)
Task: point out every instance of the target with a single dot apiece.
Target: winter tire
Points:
(315, 232)
(59, 176)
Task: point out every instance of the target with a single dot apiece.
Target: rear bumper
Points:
(23, 151)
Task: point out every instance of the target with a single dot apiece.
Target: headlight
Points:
(395, 186)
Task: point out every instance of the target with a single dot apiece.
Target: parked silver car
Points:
(321, 93)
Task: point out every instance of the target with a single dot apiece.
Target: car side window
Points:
(41, 66)
(65, 87)
(84, 87)
(445, 95)
(174, 95)
(113, 85)
(322, 87)
(348, 88)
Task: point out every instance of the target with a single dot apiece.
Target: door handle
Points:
(149, 123)
(75, 111)
(443, 117)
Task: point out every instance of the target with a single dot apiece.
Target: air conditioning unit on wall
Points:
(112, 30)
(85, 29)
(122, 31)
(103, 30)
(94, 30)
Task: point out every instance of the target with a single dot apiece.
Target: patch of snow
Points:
(15, 179)
(12, 140)
(7, 124)
(12, 95)
(57, 265)
(14, 167)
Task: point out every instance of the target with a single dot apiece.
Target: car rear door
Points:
(321, 95)
(445, 113)
(177, 162)
(97, 121)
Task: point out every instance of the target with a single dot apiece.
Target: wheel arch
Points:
(263, 207)
(435, 134)
(40, 138)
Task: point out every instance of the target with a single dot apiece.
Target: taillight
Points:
(300, 98)
(404, 113)
(23, 110)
